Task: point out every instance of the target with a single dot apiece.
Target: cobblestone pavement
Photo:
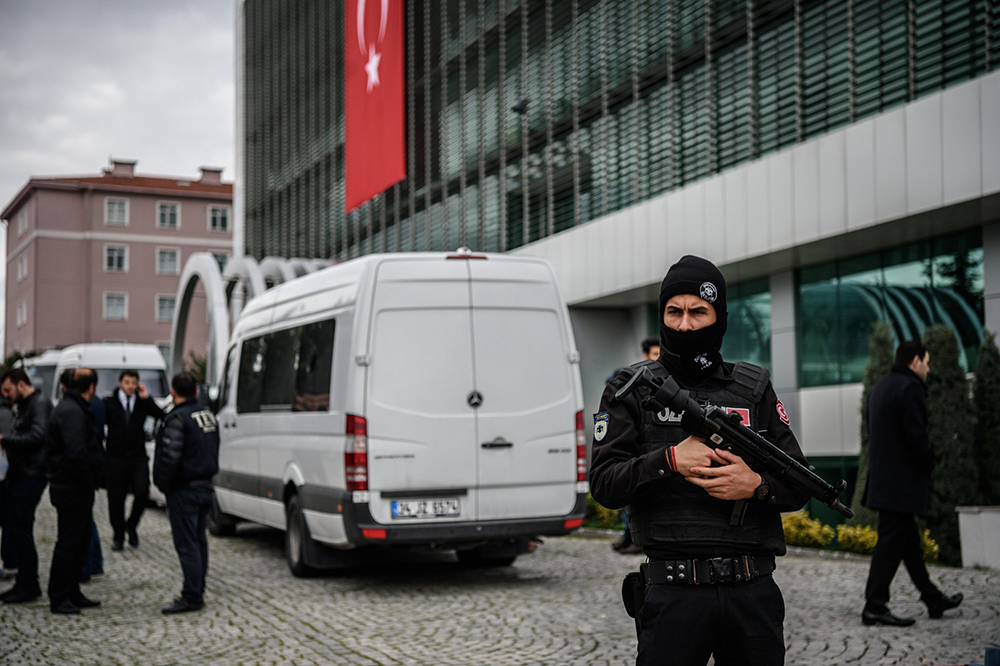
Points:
(557, 606)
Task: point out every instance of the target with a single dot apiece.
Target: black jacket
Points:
(74, 454)
(628, 471)
(25, 445)
(126, 437)
(899, 450)
(187, 449)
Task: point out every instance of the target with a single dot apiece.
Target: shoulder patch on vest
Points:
(601, 421)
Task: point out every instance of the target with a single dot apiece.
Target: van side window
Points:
(250, 384)
(315, 366)
(228, 375)
(279, 370)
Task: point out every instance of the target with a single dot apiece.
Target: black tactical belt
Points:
(708, 572)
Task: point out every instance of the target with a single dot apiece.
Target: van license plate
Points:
(432, 508)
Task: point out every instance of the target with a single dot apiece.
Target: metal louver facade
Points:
(526, 118)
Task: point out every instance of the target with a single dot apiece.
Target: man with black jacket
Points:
(75, 464)
(709, 524)
(898, 485)
(128, 464)
(25, 447)
(187, 457)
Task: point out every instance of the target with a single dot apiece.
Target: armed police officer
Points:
(708, 523)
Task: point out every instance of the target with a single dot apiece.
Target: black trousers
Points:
(127, 475)
(6, 545)
(23, 496)
(188, 512)
(898, 541)
(738, 624)
(74, 507)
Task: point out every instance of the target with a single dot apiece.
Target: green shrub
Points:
(599, 516)
(801, 530)
(987, 397)
(862, 539)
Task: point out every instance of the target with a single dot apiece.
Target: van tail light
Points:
(356, 453)
(581, 449)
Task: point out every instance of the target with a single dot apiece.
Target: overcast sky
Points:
(82, 80)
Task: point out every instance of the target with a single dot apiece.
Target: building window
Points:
(115, 307)
(115, 258)
(22, 313)
(222, 259)
(168, 215)
(218, 219)
(22, 222)
(748, 336)
(911, 287)
(116, 211)
(165, 308)
(167, 261)
(22, 267)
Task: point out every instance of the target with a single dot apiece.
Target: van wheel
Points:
(220, 524)
(480, 558)
(297, 538)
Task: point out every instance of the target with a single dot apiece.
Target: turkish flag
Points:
(375, 150)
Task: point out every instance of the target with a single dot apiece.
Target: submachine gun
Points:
(724, 431)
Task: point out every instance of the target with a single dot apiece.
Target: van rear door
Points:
(422, 461)
(527, 420)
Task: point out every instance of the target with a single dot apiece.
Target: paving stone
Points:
(559, 605)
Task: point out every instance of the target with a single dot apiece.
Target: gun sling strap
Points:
(708, 572)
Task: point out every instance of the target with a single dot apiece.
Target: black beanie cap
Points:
(697, 276)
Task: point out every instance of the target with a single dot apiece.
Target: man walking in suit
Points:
(898, 486)
(128, 464)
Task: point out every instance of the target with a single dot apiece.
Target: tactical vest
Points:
(678, 512)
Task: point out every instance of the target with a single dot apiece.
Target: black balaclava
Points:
(693, 355)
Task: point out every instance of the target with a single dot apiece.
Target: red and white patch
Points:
(744, 414)
(781, 414)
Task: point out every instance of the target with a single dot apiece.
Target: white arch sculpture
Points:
(201, 267)
(277, 270)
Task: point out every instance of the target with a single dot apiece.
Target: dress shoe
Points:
(937, 609)
(83, 602)
(17, 596)
(65, 607)
(8, 573)
(181, 605)
(118, 544)
(887, 618)
(630, 549)
(133, 539)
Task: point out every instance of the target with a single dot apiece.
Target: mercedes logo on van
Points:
(475, 399)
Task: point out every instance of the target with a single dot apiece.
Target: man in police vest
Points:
(186, 459)
(709, 524)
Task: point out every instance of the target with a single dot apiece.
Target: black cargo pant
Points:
(127, 475)
(738, 624)
(74, 506)
(23, 496)
(188, 512)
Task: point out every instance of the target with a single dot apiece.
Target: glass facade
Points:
(912, 287)
(748, 336)
(528, 117)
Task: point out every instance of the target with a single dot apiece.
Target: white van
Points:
(405, 399)
(108, 359)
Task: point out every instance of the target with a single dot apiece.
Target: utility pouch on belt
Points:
(633, 592)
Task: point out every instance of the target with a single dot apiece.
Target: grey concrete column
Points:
(991, 275)
(784, 343)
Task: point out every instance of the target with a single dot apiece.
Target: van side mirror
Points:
(208, 396)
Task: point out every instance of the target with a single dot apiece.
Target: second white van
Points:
(417, 399)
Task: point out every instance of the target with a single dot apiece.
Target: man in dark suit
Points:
(73, 456)
(128, 464)
(898, 486)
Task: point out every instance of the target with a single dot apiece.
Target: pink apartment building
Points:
(98, 258)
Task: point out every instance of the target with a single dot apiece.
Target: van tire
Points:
(220, 524)
(297, 539)
(479, 558)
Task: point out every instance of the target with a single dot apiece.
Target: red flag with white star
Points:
(374, 106)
